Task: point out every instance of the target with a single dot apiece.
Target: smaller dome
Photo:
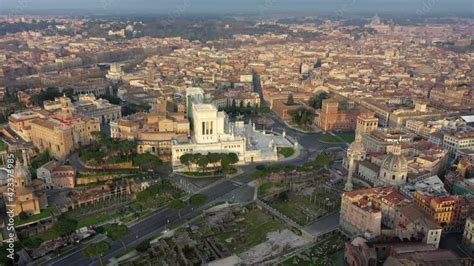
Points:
(395, 163)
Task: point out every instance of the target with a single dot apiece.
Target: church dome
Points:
(395, 163)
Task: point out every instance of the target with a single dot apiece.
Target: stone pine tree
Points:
(117, 232)
(198, 200)
(178, 205)
(95, 250)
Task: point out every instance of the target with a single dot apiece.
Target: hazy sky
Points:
(262, 7)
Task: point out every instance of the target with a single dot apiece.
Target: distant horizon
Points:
(179, 8)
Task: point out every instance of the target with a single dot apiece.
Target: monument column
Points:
(349, 186)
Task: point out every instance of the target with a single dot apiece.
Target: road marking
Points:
(62, 257)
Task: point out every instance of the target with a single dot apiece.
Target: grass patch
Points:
(135, 216)
(84, 219)
(43, 214)
(3, 146)
(95, 219)
(286, 151)
(304, 128)
(41, 237)
(263, 188)
(157, 195)
(339, 138)
(266, 187)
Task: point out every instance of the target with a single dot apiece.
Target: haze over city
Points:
(267, 132)
(262, 7)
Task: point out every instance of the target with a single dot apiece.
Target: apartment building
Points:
(335, 115)
(153, 132)
(62, 134)
(359, 216)
(459, 142)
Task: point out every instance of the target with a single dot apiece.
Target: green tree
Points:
(39, 160)
(127, 148)
(317, 99)
(117, 232)
(23, 216)
(178, 205)
(186, 159)
(147, 161)
(95, 250)
(203, 161)
(143, 246)
(99, 136)
(111, 98)
(48, 95)
(214, 158)
(198, 200)
(65, 226)
(131, 108)
(32, 242)
(302, 116)
(195, 158)
(228, 160)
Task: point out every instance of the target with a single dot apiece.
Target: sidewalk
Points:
(299, 129)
